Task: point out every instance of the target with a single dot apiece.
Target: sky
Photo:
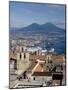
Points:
(23, 14)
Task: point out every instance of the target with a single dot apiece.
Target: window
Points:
(24, 56)
(22, 49)
(34, 78)
(20, 55)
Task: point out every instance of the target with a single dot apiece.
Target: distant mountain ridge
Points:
(35, 28)
(47, 26)
(38, 26)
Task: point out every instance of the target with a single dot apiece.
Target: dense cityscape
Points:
(37, 45)
(33, 66)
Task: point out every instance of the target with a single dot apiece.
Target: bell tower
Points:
(22, 60)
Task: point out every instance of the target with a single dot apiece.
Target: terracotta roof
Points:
(42, 74)
(31, 66)
(35, 57)
(60, 58)
(39, 68)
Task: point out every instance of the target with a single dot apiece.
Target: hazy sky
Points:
(23, 14)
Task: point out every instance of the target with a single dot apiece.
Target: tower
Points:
(22, 60)
(49, 58)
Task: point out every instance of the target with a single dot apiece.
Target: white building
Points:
(52, 50)
(36, 50)
(42, 76)
(44, 52)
